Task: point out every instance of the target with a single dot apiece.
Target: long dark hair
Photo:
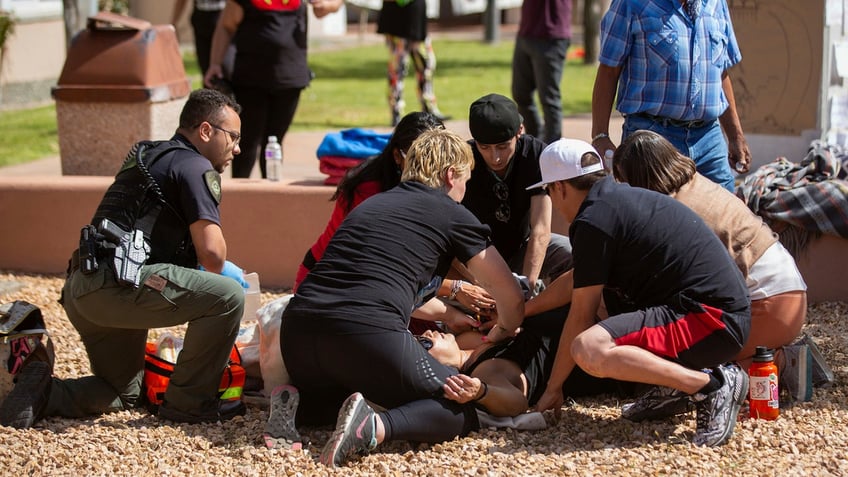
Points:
(383, 168)
(646, 159)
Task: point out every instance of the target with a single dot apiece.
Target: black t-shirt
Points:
(271, 46)
(482, 199)
(408, 21)
(388, 248)
(651, 250)
(181, 175)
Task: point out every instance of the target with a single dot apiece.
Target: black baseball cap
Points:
(494, 119)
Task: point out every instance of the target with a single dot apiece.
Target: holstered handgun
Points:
(131, 252)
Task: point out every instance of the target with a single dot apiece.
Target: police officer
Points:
(169, 192)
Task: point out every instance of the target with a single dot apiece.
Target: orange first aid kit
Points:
(157, 374)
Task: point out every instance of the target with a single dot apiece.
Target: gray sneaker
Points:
(280, 431)
(355, 432)
(658, 403)
(717, 411)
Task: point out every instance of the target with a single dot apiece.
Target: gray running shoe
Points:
(26, 402)
(280, 431)
(355, 432)
(717, 411)
(658, 403)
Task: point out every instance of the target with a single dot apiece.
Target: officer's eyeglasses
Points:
(236, 137)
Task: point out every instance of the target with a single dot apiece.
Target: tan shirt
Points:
(744, 233)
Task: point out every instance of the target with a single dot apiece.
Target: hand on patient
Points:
(462, 389)
(475, 299)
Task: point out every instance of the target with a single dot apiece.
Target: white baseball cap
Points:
(561, 161)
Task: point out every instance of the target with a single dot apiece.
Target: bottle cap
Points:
(763, 355)
(272, 138)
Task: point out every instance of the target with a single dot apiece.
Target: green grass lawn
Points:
(349, 90)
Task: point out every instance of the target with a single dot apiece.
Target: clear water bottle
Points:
(273, 159)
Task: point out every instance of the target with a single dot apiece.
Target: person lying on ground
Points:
(509, 377)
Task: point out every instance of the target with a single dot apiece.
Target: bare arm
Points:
(738, 154)
(557, 294)
(179, 8)
(437, 310)
(209, 244)
(472, 297)
(494, 275)
(322, 8)
(603, 96)
(503, 394)
(584, 306)
(540, 236)
(228, 23)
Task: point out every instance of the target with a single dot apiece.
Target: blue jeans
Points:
(705, 145)
(537, 66)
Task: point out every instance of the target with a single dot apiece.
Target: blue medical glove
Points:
(233, 271)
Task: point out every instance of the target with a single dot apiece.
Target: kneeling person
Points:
(677, 303)
(168, 191)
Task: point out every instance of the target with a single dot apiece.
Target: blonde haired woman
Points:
(345, 331)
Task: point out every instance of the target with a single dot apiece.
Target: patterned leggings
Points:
(424, 60)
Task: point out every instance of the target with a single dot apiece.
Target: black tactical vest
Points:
(135, 201)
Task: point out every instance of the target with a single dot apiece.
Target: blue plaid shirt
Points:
(671, 65)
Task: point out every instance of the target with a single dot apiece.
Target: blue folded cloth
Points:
(355, 143)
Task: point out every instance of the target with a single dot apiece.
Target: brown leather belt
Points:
(671, 122)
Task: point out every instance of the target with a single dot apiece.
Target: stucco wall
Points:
(268, 226)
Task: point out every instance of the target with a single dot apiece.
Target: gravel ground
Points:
(589, 438)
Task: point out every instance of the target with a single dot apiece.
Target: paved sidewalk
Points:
(299, 160)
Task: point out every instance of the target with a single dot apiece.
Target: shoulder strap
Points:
(147, 221)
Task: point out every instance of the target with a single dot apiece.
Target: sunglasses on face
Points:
(425, 342)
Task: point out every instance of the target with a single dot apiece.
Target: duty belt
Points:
(674, 123)
(74, 262)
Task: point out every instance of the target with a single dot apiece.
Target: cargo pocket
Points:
(81, 285)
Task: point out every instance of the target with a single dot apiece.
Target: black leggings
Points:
(389, 368)
(263, 113)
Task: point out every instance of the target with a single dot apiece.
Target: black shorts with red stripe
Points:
(695, 335)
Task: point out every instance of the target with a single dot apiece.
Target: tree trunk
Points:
(76, 13)
(593, 11)
(72, 20)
